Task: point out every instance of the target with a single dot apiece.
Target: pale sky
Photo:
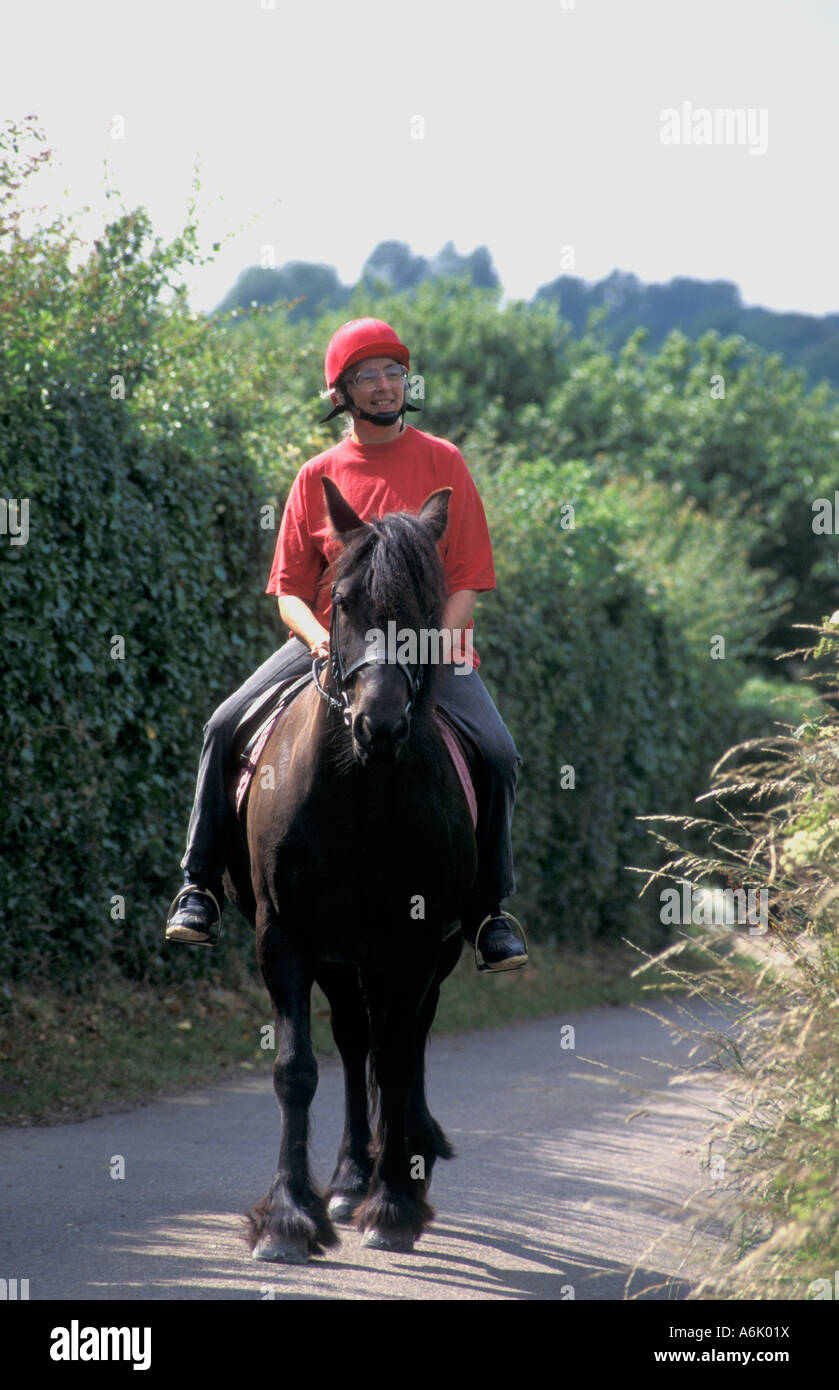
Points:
(540, 128)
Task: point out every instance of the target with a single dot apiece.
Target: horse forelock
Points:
(400, 567)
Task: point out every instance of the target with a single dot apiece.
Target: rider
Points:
(382, 465)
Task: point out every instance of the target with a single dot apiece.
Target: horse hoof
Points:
(280, 1251)
(341, 1208)
(402, 1242)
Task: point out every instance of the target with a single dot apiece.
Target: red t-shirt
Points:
(375, 479)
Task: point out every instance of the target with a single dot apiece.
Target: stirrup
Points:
(493, 917)
(184, 892)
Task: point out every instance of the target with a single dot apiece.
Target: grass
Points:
(776, 826)
(68, 1057)
(777, 1132)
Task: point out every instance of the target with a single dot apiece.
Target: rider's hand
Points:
(321, 648)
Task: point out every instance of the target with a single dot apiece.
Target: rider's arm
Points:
(457, 615)
(297, 615)
(459, 608)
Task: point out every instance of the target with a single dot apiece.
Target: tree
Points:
(308, 288)
(394, 263)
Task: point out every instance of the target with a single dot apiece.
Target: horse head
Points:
(387, 603)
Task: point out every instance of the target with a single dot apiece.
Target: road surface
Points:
(574, 1166)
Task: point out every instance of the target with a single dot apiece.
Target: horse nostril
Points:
(363, 730)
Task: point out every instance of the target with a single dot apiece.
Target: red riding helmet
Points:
(358, 339)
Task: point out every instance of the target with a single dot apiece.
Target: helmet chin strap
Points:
(384, 417)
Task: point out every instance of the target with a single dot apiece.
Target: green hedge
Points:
(599, 654)
(141, 442)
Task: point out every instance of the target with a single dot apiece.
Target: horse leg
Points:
(395, 1213)
(351, 1030)
(291, 1221)
(426, 1139)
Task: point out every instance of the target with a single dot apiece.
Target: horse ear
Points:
(435, 511)
(341, 514)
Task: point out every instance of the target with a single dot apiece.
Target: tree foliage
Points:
(695, 307)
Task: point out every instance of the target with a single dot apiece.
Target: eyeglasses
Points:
(368, 380)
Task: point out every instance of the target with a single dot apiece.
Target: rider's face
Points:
(371, 387)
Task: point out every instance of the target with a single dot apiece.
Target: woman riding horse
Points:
(381, 466)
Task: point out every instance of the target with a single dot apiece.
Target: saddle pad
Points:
(254, 753)
(456, 754)
(281, 695)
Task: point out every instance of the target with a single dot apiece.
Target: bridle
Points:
(341, 674)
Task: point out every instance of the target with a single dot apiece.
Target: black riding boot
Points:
(195, 912)
(497, 947)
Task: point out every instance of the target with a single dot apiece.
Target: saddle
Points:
(275, 701)
(255, 727)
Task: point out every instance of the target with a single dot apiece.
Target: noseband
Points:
(341, 674)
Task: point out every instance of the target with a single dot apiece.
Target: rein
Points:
(341, 674)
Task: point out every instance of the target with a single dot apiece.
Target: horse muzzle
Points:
(379, 740)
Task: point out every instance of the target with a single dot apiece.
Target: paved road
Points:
(573, 1167)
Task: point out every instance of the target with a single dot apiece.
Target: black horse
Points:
(361, 862)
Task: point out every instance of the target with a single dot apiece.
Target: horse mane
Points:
(401, 568)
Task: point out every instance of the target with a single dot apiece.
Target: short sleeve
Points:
(467, 548)
(298, 563)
